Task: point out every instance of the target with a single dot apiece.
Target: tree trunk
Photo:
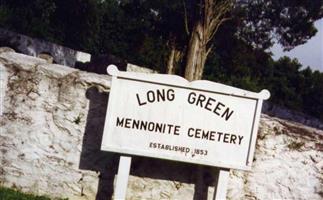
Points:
(210, 16)
(173, 59)
(196, 54)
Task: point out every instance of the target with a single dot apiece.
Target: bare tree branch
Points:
(185, 18)
(209, 49)
(219, 10)
(213, 13)
(216, 28)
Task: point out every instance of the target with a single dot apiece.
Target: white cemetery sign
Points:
(167, 117)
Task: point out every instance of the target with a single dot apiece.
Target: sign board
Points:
(167, 117)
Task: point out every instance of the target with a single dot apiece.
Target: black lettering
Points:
(188, 132)
(218, 108)
(135, 124)
(176, 130)
(140, 104)
(159, 128)
(151, 126)
(240, 139)
(205, 135)
(160, 95)
(226, 138)
(170, 95)
(169, 128)
(220, 134)
(233, 139)
(227, 113)
(191, 98)
(151, 96)
(120, 122)
(212, 135)
(143, 125)
(200, 100)
(197, 133)
(127, 125)
(164, 127)
(208, 103)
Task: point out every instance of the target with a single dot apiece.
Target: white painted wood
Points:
(254, 133)
(205, 133)
(120, 189)
(198, 84)
(220, 191)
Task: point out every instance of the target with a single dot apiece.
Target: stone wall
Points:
(51, 131)
(296, 116)
(34, 47)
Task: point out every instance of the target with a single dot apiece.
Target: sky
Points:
(309, 54)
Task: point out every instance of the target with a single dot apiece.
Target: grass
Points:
(11, 194)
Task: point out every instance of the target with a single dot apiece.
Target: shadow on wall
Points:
(92, 158)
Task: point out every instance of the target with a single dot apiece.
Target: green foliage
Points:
(4, 14)
(125, 33)
(141, 31)
(291, 22)
(290, 85)
(32, 18)
(77, 120)
(76, 23)
(10, 194)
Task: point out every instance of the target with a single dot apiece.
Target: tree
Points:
(206, 19)
(290, 22)
(230, 38)
(130, 35)
(177, 36)
(29, 18)
(258, 24)
(73, 23)
(190, 27)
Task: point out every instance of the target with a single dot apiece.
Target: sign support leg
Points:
(220, 191)
(122, 178)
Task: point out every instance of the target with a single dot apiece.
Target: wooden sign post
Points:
(122, 177)
(221, 186)
(167, 117)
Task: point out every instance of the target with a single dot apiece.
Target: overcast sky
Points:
(309, 54)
